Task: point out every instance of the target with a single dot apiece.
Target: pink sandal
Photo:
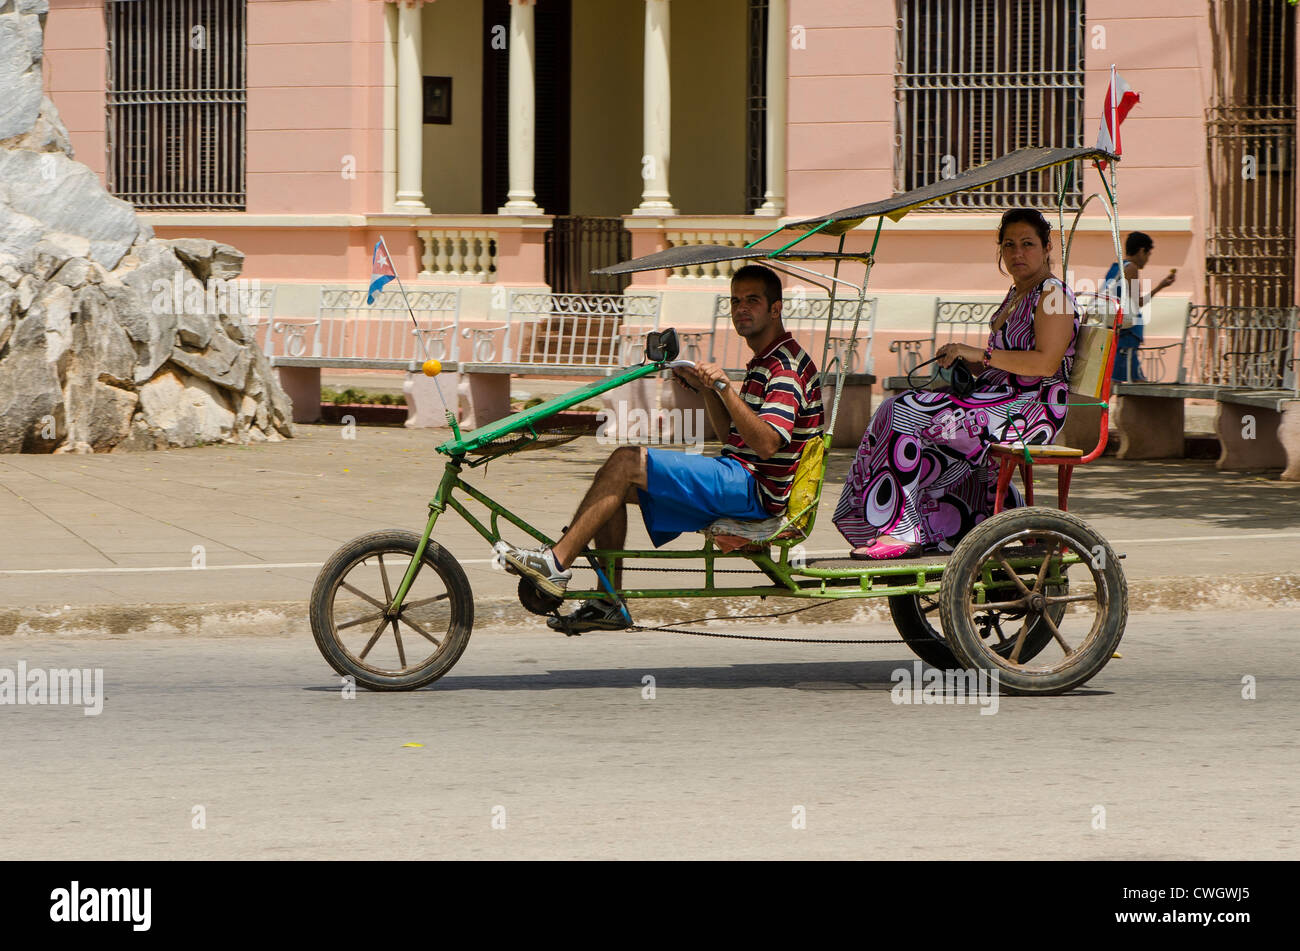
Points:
(884, 551)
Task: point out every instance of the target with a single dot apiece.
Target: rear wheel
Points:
(914, 615)
(1030, 547)
(358, 633)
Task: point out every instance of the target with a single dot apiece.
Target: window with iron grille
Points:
(976, 79)
(176, 101)
(1250, 245)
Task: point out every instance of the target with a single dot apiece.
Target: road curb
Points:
(289, 618)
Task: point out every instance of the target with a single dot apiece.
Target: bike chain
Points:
(752, 617)
(757, 637)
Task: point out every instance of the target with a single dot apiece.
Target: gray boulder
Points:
(21, 43)
(66, 196)
(209, 259)
(110, 339)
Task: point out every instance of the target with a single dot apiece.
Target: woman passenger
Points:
(922, 476)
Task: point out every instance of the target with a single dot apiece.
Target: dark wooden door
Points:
(552, 60)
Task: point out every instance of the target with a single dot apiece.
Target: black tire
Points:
(912, 612)
(439, 607)
(1087, 642)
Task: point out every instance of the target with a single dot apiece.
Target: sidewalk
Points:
(108, 542)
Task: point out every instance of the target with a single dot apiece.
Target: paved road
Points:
(556, 732)
(101, 536)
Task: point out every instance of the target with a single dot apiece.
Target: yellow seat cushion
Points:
(807, 479)
(733, 534)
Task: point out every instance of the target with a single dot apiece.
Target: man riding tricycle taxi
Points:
(768, 421)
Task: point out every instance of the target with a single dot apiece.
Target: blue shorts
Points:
(686, 492)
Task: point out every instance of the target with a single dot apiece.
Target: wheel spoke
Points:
(1020, 640)
(1069, 651)
(1042, 569)
(383, 573)
(423, 601)
(361, 594)
(1072, 597)
(421, 631)
(998, 605)
(373, 637)
(1011, 572)
(360, 620)
(401, 654)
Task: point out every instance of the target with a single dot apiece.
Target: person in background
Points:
(1137, 252)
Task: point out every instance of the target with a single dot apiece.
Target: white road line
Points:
(114, 571)
(487, 561)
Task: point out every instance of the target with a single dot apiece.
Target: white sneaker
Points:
(538, 566)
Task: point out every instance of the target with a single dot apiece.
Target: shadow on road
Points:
(816, 676)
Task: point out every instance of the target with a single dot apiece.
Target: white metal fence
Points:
(543, 329)
(805, 319)
(347, 328)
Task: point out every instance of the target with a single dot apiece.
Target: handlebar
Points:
(719, 385)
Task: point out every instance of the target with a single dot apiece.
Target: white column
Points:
(778, 48)
(390, 107)
(410, 110)
(523, 120)
(656, 113)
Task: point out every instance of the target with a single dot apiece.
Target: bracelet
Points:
(988, 355)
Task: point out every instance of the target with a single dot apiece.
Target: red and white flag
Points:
(381, 270)
(1120, 98)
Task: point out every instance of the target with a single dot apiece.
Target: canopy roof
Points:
(688, 255)
(1018, 162)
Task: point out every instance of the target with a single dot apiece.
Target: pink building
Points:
(467, 131)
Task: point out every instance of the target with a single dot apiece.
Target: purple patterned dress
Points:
(922, 473)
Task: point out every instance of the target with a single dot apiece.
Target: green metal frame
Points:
(789, 580)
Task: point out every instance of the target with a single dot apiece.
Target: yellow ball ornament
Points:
(432, 367)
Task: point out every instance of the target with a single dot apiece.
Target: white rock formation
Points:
(110, 338)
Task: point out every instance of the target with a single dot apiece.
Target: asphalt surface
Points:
(555, 739)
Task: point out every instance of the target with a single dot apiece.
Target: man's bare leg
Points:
(602, 515)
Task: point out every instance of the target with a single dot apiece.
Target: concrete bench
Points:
(1259, 429)
(1225, 350)
(346, 333)
(544, 335)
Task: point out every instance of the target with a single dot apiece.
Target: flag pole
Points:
(1114, 194)
(419, 336)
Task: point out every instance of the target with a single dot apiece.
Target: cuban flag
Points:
(381, 270)
(1120, 98)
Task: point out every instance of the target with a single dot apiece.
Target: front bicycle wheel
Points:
(359, 634)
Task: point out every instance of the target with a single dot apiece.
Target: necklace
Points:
(1004, 314)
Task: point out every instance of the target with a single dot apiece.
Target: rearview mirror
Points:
(661, 346)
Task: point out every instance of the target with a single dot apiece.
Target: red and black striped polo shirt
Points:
(781, 386)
